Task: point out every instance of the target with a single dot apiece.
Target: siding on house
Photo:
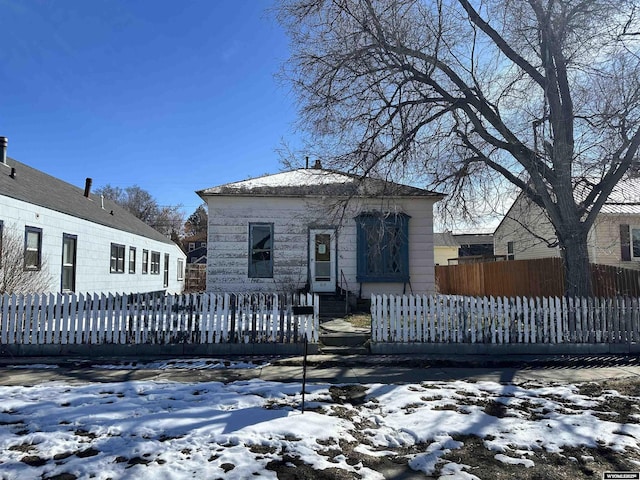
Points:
(58, 208)
(517, 225)
(604, 243)
(292, 217)
(445, 246)
(604, 240)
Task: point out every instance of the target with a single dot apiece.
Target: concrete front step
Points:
(335, 350)
(347, 339)
(332, 307)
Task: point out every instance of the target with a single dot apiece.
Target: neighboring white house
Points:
(526, 232)
(320, 230)
(83, 242)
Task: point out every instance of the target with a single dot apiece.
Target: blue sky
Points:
(173, 96)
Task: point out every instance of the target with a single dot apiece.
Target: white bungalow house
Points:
(320, 230)
(81, 242)
(526, 232)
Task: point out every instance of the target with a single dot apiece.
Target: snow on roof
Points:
(312, 182)
(624, 199)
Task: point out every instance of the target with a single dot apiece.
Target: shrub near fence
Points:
(443, 319)
(155, 319)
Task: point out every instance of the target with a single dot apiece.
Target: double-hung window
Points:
(145, 261)
(117, 258)
(383, 247)
(69, 252)
(165, 282)
(510, 251)
(180, 269)
(260, 250)
(132, 259)
(32, 248)
(155, 263)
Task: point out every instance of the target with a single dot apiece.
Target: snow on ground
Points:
(244, 429)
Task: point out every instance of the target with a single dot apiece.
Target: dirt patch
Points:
(571, 464)
(360, 320)
(292, 468)
(62, 476)
(618, 409)
(353, 394)
(33, 460)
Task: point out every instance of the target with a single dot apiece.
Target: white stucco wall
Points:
(228, 250)
(93, 250)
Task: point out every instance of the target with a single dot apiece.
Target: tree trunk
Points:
(577, 273)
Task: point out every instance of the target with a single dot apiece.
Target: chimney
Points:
(317, 165)
(3, 149)
(87, 186)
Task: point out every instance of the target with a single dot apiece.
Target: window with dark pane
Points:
(117, 258)
(32, 248)
(260, 250)
(383, 247)
(69, 243)
(635, 242)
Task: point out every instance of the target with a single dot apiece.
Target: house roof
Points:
(445, 239)
(316, 182)
(623, 200)
(38, 188)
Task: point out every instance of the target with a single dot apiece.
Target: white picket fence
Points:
(48, 319)
(456, 319)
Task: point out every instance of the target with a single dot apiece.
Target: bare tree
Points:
(198, 222)
(14, 278)
(168, 220)
(542, 94)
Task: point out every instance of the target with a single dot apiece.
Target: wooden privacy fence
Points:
(542, 277)
(48, 319)
(551, 320)
(195, 277)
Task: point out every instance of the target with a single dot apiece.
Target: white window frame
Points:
(145, 261)
(117, 258)
(180, 269)
(37, 265)
(132, 259)
(155, 265)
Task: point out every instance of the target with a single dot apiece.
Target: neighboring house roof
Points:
(445, 239)
(473, 238)
(623, 200)
(197, 255)
(317, 182)
(38, 188)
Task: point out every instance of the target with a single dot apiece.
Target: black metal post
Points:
(304, 370)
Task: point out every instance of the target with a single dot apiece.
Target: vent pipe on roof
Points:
(3, 149)
(307, 158)
(87, 187)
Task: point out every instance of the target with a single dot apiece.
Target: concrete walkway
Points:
(333, 369)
